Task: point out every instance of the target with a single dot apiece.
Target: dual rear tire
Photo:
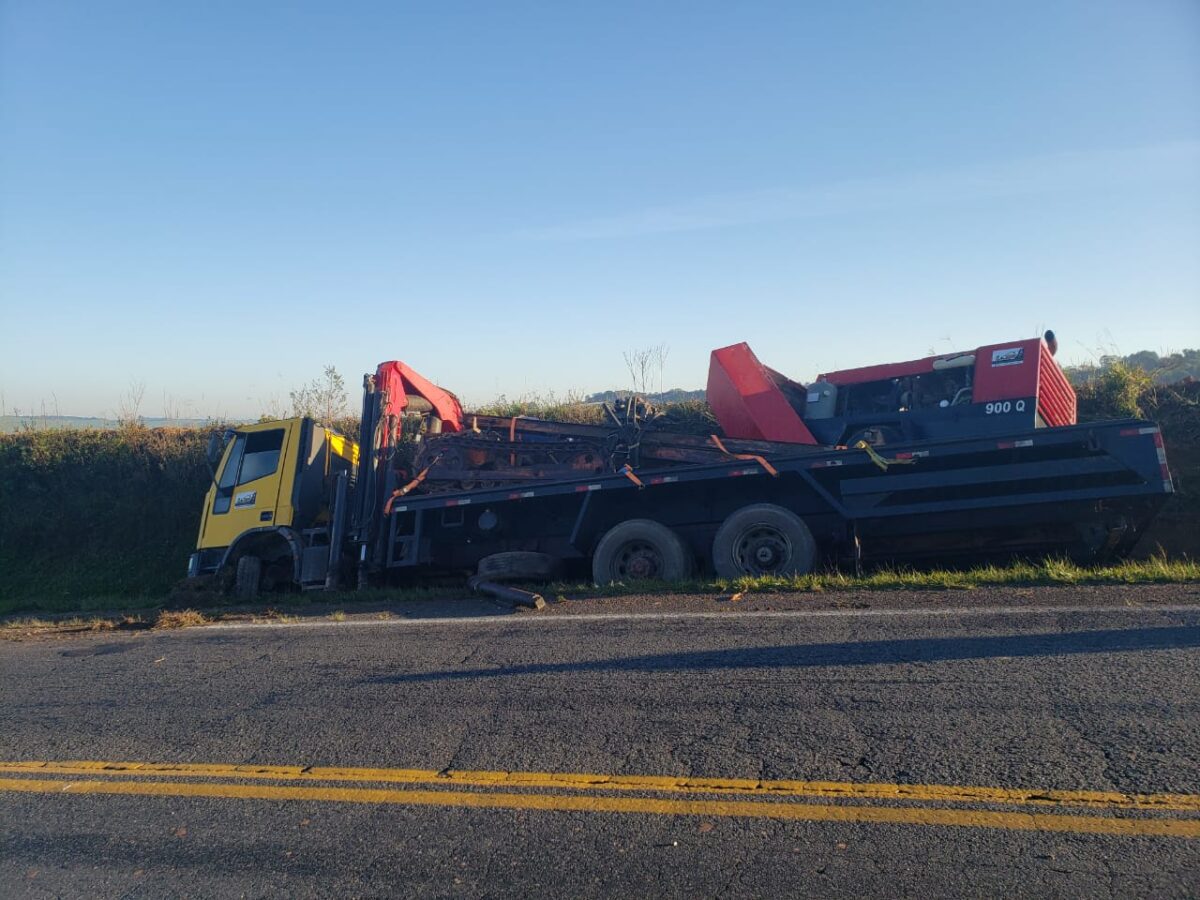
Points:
(763, 539)
(760, 539)
(639, 550)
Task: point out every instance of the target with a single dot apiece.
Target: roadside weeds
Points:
(835, 589)
(18, 628)
(185, 618)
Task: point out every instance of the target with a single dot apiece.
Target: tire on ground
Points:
(519, 564)
(249, 576)
(763, 539)
(639, 549)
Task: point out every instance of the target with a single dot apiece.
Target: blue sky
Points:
(216, 199)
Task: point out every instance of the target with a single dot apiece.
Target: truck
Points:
(962, 456)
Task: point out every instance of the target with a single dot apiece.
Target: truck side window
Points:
(261, 456)
(251, 457)
(229, 475)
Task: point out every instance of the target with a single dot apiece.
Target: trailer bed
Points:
(1086, 490)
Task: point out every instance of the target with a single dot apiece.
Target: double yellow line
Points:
(1108, 812)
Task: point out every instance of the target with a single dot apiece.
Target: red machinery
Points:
(395, 381)
(751, 401)
(998, 387)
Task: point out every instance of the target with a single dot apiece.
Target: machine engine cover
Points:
(748, 402)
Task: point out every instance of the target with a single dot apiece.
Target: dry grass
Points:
(14, 629)
(183, 618)
(548, 406)
(270, 614)
(338, 615)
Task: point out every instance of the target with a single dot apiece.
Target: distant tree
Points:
(644, 364)
(323, 399)
(129, 407)
(1168, 369)
(1145, 359)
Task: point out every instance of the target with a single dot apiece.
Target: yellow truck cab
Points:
(275, 511)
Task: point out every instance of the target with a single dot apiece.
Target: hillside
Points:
(674, 395)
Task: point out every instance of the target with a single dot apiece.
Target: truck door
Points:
(248, 488)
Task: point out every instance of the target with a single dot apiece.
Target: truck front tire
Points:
(763, 539)
(641, 549)
(249, 577)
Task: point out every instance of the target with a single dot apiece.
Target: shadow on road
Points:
(857, 653)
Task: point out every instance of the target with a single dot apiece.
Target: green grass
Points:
(1050, 572)
(92, 517)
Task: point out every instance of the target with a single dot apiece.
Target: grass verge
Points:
(14, 629)
(1045, 573)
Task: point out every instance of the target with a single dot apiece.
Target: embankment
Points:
(92, 519)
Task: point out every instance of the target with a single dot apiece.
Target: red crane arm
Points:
(399, 380)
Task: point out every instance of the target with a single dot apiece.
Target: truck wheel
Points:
(249, 575)
(641, 549)
(763, 539)
(519, 564)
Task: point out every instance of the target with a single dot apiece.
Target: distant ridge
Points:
(674, 395)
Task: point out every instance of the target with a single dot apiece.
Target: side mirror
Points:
(216, 446)
(215, 450)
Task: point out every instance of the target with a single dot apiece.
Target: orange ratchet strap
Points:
(749, 457)
(396, 495)
(627, 471)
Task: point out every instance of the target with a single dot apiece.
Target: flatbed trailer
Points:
(1086, 491)
(962, 457)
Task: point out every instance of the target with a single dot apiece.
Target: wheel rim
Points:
(637, 559)
(762, 550)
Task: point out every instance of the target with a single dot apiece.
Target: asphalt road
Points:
(530, 746)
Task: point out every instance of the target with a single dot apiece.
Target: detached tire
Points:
(763, 539)
(519, 564)
(640, 549)
(249, 578)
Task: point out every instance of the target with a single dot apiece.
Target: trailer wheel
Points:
(763, 539)
(249, 576)
(639, 549)
(519, 564)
